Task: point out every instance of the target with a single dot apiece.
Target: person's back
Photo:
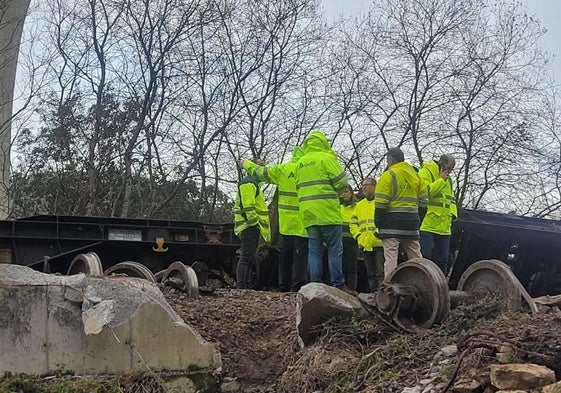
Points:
(401, 199)
(398, 191)
(284, 177)
(294, 242)
(320, 180)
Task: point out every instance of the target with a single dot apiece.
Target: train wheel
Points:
(492, 277)
(131, 269)
(183, 278)
(201, 269)
(88, 263)
(159, 275)
(415, 295)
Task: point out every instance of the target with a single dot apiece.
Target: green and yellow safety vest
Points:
(347, 213)
(283, 175)
(250, 209)
(441, 205)
(320, 180)
(363, 222)
(399, 194)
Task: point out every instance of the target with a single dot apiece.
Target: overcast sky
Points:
(547, 11)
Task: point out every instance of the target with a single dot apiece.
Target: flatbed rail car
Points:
(531, 247)
(54, 241)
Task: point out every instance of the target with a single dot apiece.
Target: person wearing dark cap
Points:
(401, 201)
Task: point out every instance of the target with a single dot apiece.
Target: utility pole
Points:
(12, 17)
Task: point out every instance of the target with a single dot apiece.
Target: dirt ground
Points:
(255, 332)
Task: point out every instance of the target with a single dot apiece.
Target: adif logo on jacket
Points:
(306, 164)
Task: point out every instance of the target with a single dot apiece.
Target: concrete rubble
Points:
(317, 302)
(504, 378)
(520, 376)
(93, 325)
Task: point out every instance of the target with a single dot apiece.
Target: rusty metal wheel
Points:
(416, 295)
(131, 269)
(492, 277)
(183, 278)
(88, 263)
(201, 270)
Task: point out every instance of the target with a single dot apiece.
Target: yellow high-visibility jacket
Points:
(441, 207)
(320, 180)
(347, 213)
(362, 225)
(250, 209)
(283, 175)
(399, 195)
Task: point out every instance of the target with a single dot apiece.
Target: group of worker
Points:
(318, 212)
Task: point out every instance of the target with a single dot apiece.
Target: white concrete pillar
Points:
(12, 17)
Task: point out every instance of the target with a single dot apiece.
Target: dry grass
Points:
(370, 355)
(131, 383)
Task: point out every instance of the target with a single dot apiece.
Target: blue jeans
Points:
(435, 247)
(332, 235)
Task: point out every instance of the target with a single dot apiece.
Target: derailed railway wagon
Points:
(134, 247)
(531, 247)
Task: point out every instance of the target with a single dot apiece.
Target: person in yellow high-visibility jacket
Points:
(251, 219)
(401, 201)
(436, 227)
(320, 180)
(350, 245)
(363, 229)
(293, 263)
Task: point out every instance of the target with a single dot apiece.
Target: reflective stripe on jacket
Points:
(290, 220)
(363, 222)
(250, 209)
(441, 200)
(319, 182)
(400, 192)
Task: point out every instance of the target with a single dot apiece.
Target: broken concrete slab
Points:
(93, 325)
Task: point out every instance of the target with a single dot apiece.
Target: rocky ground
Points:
(256, 334)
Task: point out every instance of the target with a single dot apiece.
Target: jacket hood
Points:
(431, 165)
(316, 141)
(297, 153)
(407, 171)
